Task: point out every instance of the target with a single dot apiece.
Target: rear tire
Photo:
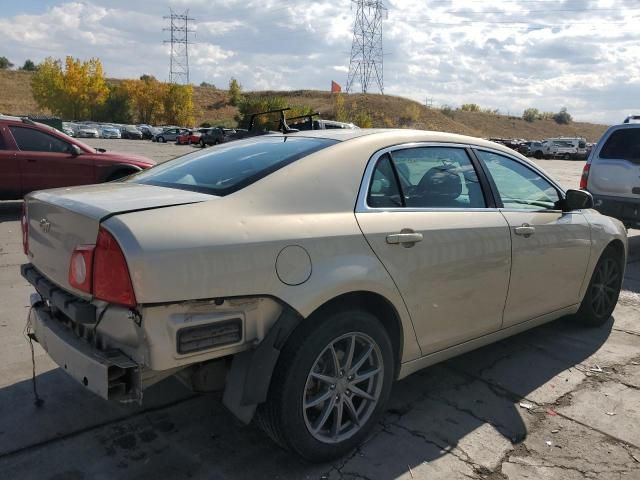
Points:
(330, 386)
(603, 291)
(202, 144)
(161, 140)
(567, 156)
(538, 154)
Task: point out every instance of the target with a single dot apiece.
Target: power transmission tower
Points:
(366, 48)
(179, 40)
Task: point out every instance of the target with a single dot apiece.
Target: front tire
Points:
(603, 291)
(331, 385)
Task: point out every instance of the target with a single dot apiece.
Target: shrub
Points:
(470, 107)
(447, 110)
(563, 117)
(363, 120)
(531, 114)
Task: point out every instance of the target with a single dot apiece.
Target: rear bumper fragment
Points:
(109, 374)
(78, 310)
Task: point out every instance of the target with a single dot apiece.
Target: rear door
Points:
(423, 210)
(47, 161)
(615, 165)
(550, 248)
(10, 179)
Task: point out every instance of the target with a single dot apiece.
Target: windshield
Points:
(230, 167)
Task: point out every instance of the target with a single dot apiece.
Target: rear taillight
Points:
(111, 280)
(102, 271)
(585, 176)
(81, 267)
(24, 225)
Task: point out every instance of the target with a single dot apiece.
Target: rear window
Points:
(623, 144)
(232, 166)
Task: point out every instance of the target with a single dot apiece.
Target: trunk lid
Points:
(63, 218)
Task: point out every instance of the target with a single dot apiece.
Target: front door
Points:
(10, 182)
(550, 248)
(426, 218)
(47, 161)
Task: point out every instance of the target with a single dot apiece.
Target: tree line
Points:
(78, 90)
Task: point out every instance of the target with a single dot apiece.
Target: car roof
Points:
(401, 135)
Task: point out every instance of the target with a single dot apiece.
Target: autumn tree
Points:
(235, 92)
(339, 110)
(116, 108)
(76, 90)
(146, 97)
(178, 104)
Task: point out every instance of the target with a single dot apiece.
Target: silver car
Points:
(302, 274)
(169, 135)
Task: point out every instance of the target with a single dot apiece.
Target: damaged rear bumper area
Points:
(109, 374)
(65, 327)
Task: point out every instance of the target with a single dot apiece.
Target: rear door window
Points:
(232, 166)
(426, 177)
(3, 145)
(623, 144)
(32, 140)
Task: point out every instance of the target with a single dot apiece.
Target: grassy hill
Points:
(385, 111)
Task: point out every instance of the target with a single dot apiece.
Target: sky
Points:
(508, 55)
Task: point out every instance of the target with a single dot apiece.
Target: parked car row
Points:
(567, 148)
(109, 130)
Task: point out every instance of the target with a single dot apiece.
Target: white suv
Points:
(612, 174)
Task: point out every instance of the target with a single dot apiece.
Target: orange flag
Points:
(335, 88)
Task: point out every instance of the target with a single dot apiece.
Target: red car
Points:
(190, 137)
(34, 156)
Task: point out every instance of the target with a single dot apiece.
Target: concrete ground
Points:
(558, 402)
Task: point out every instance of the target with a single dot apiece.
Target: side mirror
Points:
(74, 150)
(577, 200)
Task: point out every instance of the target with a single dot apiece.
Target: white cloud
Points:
(582, 54)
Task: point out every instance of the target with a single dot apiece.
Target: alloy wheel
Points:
(343, 387)
(605, 287)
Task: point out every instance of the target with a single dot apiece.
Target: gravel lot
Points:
(558, 402)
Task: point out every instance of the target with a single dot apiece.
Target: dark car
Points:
(148, 132)
(35, 157)
(213, 136)
(131, 132)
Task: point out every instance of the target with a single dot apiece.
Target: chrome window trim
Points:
(363, 207)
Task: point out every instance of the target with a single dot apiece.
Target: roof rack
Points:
(282, 125)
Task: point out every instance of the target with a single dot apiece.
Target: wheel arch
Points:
(249, 377)
(112, 170)
(376, 305)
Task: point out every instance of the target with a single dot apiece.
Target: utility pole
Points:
(366, 49)
(179, 40)
(428, 102)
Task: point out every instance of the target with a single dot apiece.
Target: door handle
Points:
(406, 238)
(31, 160)
(525, 230)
